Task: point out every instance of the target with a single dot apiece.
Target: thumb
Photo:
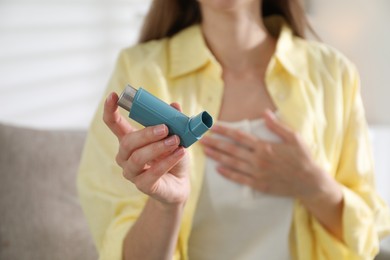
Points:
(113, 119)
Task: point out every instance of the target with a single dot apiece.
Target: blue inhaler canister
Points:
(148, 110)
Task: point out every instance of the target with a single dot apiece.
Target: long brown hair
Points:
(167, 17)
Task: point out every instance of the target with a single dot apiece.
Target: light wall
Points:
(360, 29)
(56, 55)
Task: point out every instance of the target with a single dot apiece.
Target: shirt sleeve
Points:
(366, 217)
(111, 204)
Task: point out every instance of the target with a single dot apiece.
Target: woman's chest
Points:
(244, 98)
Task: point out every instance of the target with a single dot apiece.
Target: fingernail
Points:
(172, 140)
(159, 130)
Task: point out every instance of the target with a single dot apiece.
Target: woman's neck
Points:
(237, 38)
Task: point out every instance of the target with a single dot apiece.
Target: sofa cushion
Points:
(40, 215)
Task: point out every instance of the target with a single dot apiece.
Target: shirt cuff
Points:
(359, 225)
(360, 238)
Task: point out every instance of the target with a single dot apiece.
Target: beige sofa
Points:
(40, 215)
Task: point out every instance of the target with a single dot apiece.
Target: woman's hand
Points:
(285, 168)
(154, 162)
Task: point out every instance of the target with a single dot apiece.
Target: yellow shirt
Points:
(315, 90)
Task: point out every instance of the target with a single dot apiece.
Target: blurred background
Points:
(56, 57)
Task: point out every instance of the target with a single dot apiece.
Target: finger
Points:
(229, 161)
(138, 160)
(111, 116)
(236, 135)
(176, 106)
(276, 126)
(246, 180)
(264, 152)
(227, 147)
(149, 178)
(236, 176)
(138, 139)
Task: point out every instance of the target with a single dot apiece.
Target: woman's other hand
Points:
(285, 168)
(150, 159)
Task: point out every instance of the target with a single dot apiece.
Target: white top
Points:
(233, 221)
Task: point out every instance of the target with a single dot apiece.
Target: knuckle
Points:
(136, 158)
(139, 184)
(262, 164)
(259, 152)
(107, 120)
(263, 150)
(118, 160)
(126, 174)
(160, 146)
(125, 142)
(233, 149)
(267, 150)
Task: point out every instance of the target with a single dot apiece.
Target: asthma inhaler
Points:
(148, 110)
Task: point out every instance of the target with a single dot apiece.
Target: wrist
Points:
(176, 207)
(325, 191)
(326, 204)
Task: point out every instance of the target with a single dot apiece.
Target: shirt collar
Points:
(291, 51)
(188, 50)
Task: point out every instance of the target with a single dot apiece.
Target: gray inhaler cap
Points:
(126, 99)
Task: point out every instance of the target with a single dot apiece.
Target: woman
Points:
(288, 170)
